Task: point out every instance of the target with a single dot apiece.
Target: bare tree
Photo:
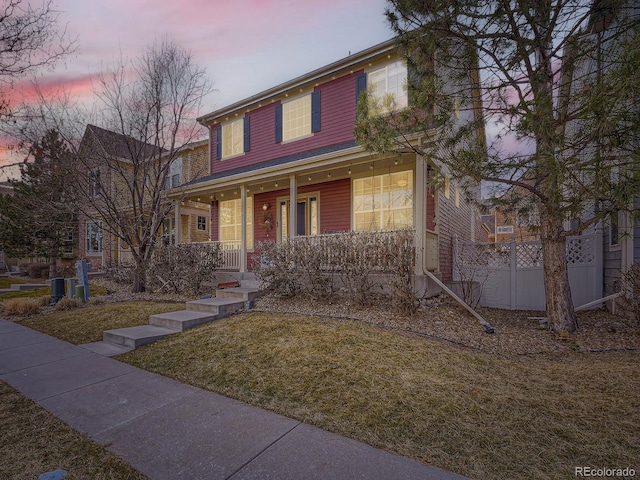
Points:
(149, 113)
(30, 39)
(558, 76)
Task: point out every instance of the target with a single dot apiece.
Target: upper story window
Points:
(232, 138)
(387, 87)
(94, 182)
(174, 178)
(296, 118)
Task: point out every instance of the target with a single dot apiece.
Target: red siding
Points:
(337, 114)
(335, 209)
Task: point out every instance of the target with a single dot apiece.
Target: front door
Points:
(306, 217)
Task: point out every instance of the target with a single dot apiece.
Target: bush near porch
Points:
(351, 262)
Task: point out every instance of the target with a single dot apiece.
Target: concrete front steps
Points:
(198, 312)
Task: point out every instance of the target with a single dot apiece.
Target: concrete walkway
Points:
(169, 430)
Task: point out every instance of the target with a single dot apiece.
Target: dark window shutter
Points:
(219, 142)
(278, 123)
(315, 111)
(247, 135)
(361, 85)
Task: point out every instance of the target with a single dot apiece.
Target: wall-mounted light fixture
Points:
(266, 206)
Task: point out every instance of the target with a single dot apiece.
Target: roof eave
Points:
(351, 60)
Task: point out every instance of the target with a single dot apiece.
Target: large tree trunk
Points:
(560, 311)
(139, 275)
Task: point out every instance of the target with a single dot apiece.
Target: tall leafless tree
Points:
(150, 106)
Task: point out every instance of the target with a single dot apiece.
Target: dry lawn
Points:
(483, 415)
(85, 325)
(35, 442)
(5, 282)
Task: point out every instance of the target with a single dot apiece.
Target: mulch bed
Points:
(515, 333)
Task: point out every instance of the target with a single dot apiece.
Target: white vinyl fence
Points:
(510, 274)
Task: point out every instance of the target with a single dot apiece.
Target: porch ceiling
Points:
(311, 174)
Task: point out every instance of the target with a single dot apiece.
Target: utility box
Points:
(57, 290)
(71, 287)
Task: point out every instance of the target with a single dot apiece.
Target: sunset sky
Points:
(246, 45)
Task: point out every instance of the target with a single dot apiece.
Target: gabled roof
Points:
(121, 146)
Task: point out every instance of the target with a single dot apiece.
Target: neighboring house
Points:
(101, 248)
(621, 233)
(516, 218)
(285, 163)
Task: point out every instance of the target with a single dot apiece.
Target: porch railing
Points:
(381, 251)
(231, 253)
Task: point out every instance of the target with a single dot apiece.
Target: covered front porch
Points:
(320, 197)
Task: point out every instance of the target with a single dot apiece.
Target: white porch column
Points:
(293, 206)
(243, 229)
(420, 209)
(177, 222)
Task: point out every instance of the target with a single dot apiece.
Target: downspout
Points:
(487, 326)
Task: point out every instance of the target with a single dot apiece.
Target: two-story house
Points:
(285, 163)
(108, 156)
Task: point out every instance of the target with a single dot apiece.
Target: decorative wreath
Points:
(267, 222)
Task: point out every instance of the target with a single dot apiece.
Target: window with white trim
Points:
(233, 138)
(614, 229)
(296, 118)
(201, 223)
(230, 221)
(174, 177)
(383, 202)
(94, 237)
(388, 88)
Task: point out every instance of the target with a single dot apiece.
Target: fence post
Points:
(513, 264)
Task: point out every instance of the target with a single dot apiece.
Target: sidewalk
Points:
(169, 430)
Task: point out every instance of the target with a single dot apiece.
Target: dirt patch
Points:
(515, 332)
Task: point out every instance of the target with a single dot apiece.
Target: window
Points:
(388, 88)
(296, 118)
(230, 212)
(383, 202)
(169, 231)
(94, 237)
(201, 224)
(69, 241)
(94, 182)
(174, 177)
(233, 138)
(614, 229)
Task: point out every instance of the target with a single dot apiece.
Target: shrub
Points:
(36, 270)
(185, 267)
(359, 259)
(66, 303)
(22, 306)
(120, 273)
(630, 284)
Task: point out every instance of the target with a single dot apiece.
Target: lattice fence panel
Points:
(528, 255)
(581, 251)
